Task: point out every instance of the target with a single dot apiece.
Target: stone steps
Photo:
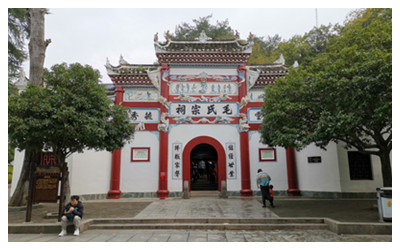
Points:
(212, 224)
(204, 194)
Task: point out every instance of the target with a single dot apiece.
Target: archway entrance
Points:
(204, 168)
(204, 148)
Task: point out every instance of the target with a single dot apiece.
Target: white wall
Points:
(358, 185)
(222, 133)
(17, 167)
(140, 176)
(322, 176)
(90, 172)
(276, 169)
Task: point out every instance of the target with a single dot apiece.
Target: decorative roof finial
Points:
(167, 35)
(156, 37)
(122, 60)
(237, 34)
(281, 60)
(251, 37)
(203, 37)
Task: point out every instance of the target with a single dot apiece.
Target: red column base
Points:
(162, 194)
(246, 192)
(114, 194)
(293, 192)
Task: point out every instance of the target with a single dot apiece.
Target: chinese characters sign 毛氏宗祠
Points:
(177, 161)
(204, 109)
(231, 160)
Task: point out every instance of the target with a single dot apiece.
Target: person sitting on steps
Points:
(73, 212)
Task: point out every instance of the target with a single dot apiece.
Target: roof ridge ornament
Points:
(281, 60)
(203, 37)
(237, 35)
(167, 35)
(251, 37)
(122, 61)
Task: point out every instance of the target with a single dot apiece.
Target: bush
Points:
(10, 172)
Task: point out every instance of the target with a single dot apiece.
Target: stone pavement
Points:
(200, 207)
(206, 208)
(200, 236)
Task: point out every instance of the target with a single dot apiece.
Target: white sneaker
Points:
(63, 233)
(76, 232)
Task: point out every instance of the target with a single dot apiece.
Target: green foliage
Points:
(220, 31)
(344, 94)
(72, 114)
(304, 48)
(11, 151)
(10, 173)
(265, 50)
(18, 31)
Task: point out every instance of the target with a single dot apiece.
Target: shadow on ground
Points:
(340, 210)
(91, 210)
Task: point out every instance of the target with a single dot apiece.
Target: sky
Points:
(90, 36)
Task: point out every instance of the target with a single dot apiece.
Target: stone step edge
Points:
(212, 226)
(209, 220)
(333, 225)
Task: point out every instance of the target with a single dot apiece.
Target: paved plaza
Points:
(200, 236)
(206, 208)
(198, 208)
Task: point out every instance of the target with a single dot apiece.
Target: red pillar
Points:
(245, 164)
(244, 141)
(114, 192)
(293, 189)
(162, 191)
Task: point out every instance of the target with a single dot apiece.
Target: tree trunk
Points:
(386, 168)
(37, 50)
(19, 197)
(37, 46)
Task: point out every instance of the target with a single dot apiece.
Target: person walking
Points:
(73, 212)
(263, 180)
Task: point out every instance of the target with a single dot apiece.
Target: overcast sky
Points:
(89, 36)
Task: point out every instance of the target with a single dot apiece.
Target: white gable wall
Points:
(276, 169)
(358, 185)
(324, 176)
(90, 172)
(140, 176)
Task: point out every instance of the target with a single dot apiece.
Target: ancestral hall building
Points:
(197, 116)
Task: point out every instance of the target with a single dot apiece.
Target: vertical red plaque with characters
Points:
(47, 177)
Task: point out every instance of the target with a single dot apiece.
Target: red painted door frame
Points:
(221, 164)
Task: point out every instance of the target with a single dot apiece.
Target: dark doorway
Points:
(203, 169)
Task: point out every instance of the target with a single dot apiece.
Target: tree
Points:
(220, 31)
(18, 31)
(72, 114)
(304, 48)
(344, 94)
(37, 45)
(37, 50)
(265, 50)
